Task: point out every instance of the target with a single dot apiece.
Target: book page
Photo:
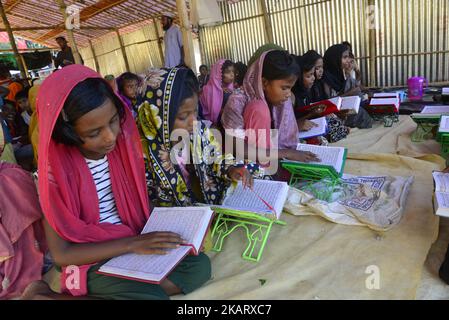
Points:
(442, 200)
(337, 101)
(351, 103)
(386, 95)
(320, 130)
(146, 267)
(273, 192)
(444, 124)
(331, 156)
(384, 102)
(435, 110)
(190, 223)
(441, 181)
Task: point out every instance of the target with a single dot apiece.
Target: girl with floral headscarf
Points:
(189, 169)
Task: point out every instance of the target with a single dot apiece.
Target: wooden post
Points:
(372, 46)
(268, 25)
(76, 54)
(159, 44)
(122, 47)
(189, 52)
(19, 60)
(97, 65)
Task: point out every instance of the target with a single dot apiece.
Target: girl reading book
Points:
(266, 104)
(337, 82)
(309, 89)
(93, 193)
(216, 92)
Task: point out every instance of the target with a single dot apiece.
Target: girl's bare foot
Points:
(37, 290)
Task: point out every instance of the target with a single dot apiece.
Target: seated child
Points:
(188, 169)
(203, 78)
(18, 129)
(24, 106)
(216, 92)
(93, 193)
(128, 85)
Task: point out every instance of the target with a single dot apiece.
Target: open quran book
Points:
(191, 223)
(266, 199)
(441, 195)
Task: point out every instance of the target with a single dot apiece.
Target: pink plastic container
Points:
(416, 87)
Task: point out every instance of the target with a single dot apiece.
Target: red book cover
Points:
(330, 106)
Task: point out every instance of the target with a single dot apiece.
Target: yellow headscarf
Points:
(33, 130)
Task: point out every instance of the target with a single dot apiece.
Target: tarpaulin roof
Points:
(126, 15)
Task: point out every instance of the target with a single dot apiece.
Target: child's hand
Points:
(318, 110)
(303, 156)
(155, 243)
(241, 173)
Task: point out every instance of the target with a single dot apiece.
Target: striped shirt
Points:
(102, 179)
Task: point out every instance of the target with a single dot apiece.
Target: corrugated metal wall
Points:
(141, 47)
(412, 37)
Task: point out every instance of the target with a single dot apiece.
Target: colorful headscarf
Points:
(156, 115)
(66, 188)
(212, 96)
(22, 241)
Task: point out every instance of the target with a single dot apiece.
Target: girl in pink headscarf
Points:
(216, 92)
(93, 192)
(265, 105)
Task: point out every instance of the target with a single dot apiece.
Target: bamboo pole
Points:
(189, 52)
(122, 47)
(97, 65)
(268, 25)
(23, 73)
(372, 48)
(159, 44)
(69, 31)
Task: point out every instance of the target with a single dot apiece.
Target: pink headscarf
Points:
(66, 188)
(211, 98)
(283, 116)
(22, 242)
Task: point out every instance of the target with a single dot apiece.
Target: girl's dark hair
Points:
(203, 66)
(85, 97)
(127, 76)
(240, 72)
(279, 65)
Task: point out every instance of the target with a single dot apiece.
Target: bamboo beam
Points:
(97, 65)
(189, 53)
(159, 44)
(23, 73)
(267, 20)
(85, 14)
(70, 35)
(55, 27)
(122, 47)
